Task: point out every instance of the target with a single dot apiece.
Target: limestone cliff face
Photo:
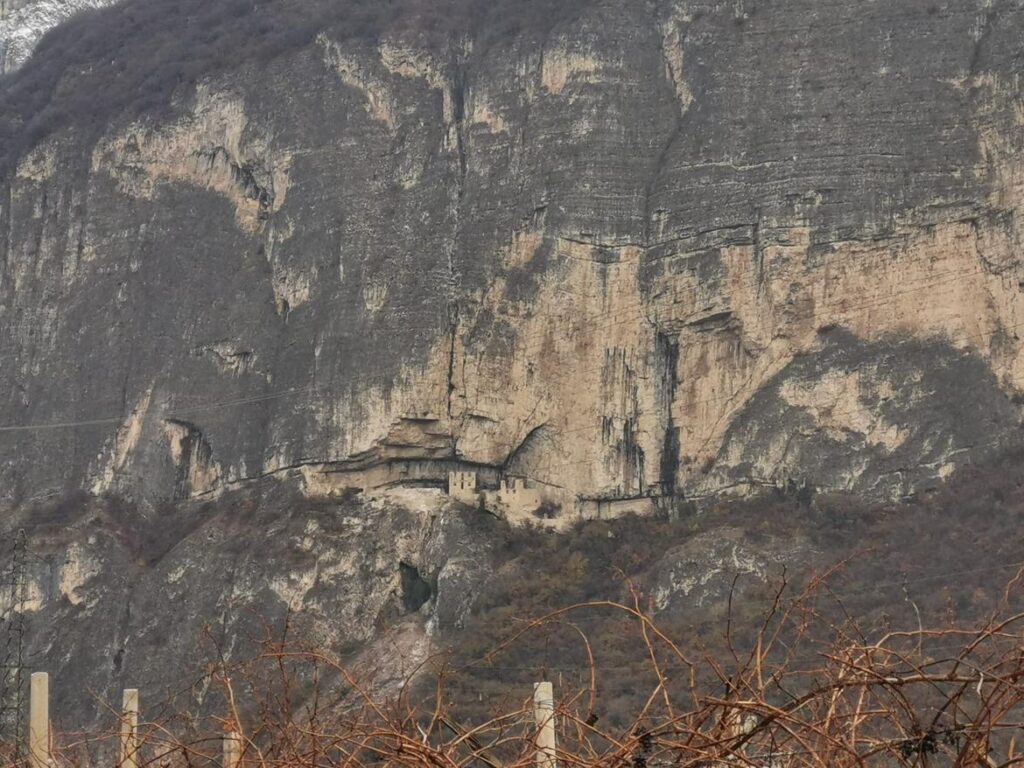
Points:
(672, 249)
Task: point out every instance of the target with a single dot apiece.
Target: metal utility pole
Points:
(13, 596)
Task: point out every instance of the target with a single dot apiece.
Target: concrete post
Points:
(232, 750)
(39, 721)
(129, 755)
(544, 712)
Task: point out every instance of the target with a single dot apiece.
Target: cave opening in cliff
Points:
(416, 591)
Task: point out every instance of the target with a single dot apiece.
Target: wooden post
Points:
(544, 712)
(232, 749)
(39, 721)
(129, 757)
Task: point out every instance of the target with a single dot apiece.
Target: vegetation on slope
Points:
(132, 58)
(942, 558)
(802, 692)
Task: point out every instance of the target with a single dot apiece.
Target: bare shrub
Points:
(802, 692)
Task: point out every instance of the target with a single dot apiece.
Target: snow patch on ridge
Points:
(24, 22)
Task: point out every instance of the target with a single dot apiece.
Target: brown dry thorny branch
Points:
(807, 692)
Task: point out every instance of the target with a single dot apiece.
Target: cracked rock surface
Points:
(690, 249)
(668, 251)
(681, 247)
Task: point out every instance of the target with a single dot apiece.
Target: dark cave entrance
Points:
(416, 591)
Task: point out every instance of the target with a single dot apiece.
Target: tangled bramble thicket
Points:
(807, 692)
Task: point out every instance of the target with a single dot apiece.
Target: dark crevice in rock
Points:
(667, 351)
(618, 375)
(416, 591)
(245, 177)
(523, 445)
(716, 321)
(634, 460)
(458, 97)
(195, 454)
(5, 227)
(256, 477)
(80, 217)
(979, 45)
(453, 325)
(674, 133)
(756, 236)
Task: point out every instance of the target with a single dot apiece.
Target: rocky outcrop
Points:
(707, 568)
(374, 583)
(671, 249)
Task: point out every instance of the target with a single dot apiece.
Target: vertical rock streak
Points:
(636, 243)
